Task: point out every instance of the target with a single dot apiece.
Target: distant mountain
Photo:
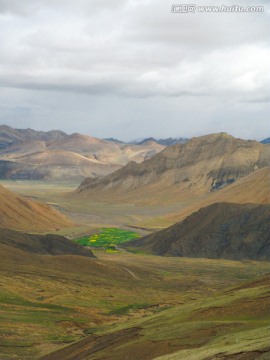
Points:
(114, 140)
(181, 171)
(266, 141)
(222, 230)
(54, 155)
(17, 212)
(49, 244)
(9, 136)
(166, 142)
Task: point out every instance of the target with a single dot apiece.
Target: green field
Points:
(108, 238)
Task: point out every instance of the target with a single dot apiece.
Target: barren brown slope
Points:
(253, 188)
(181, 172)
(17, 212)
(222, 230)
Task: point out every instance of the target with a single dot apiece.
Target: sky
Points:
(133, 68)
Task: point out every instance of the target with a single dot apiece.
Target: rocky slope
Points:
(181, 171)
(222, 230)
(17, 212)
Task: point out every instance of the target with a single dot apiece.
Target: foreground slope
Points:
(181, 172)
(222, 230)
(233, 324)
(50, 301)
(17, 212)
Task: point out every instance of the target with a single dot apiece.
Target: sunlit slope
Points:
(17, 212)
(253, 188)
(181, 172)
(69, 157)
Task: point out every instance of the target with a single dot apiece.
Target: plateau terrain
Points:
(162, 257)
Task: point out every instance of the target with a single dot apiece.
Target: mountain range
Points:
(181, 172)
(54, 155)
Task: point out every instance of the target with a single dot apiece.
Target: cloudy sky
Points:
(132, 68)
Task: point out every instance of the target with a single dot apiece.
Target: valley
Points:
(175, 290)
(134, 180)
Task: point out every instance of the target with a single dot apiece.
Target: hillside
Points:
(182, 171)
(53, 156)
(228, 326)
(222, 230)
(17, 212)
(40, 244)
(253, 188)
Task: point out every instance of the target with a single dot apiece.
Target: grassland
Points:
(107, 238)
(230, 324)
(50, 301)
(147, 306)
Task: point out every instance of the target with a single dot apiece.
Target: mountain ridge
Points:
(98, 157)
(199, 166)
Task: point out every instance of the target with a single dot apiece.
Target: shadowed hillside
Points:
(181, 171)
(17, 212)
(222, 230)
(49, 244)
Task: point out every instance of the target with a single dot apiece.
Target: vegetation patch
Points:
(108, 238)
(125, 309)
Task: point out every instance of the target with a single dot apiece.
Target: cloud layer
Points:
(111, 59)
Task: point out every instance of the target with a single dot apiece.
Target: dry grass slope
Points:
(19, 213)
